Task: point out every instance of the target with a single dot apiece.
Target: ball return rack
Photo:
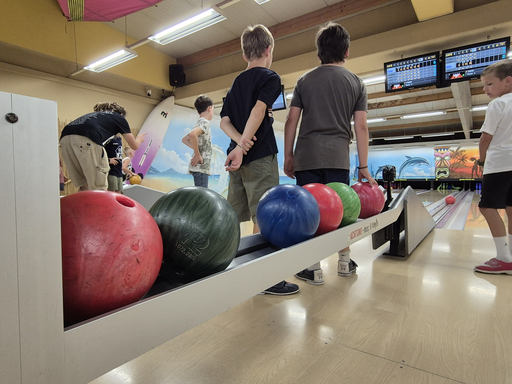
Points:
(34, 345)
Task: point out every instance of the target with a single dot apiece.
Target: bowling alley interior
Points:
(413, 311)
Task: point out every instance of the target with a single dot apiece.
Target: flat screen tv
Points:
(413, 72)
(280, 102)
(468, 62)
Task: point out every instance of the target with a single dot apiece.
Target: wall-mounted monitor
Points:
(413, 72)
(280, 102)
(468, 62)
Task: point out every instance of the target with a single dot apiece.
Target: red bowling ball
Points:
(111, 253)
(331, 207)
(449, 199)
(372, 199)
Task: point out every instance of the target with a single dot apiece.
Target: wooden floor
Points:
(424, 319)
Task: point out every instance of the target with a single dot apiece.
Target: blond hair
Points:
(107, 106)
(255, 40)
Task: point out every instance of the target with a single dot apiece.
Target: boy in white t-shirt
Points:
(200, 140)
(495, 148)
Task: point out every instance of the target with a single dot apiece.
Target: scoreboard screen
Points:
(413, 72)
(468, 62)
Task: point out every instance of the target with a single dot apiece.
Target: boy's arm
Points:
(186, 141)
(483, 145)
(230, 130)
(125, 169)
(194, 141)
(256, 117)
(362, 139)
(133, 142)
(290, 130)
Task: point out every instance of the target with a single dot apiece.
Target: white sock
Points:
(314, 267)
(502, 249)
(344, 256)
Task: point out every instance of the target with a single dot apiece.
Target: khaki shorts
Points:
(115, 183)
(86, 161)
(249, 183)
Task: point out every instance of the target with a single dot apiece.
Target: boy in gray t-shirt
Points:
(328, 97)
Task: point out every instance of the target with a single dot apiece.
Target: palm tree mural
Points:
(458, 159)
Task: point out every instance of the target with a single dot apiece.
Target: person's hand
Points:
(364, 173)
(113, 161)
(141, 137)
(288, 167)
(234, 160)
(197, 159)
(247, 144)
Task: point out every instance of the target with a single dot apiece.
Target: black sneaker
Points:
(346, 269)
(315, 277)
(282, 289)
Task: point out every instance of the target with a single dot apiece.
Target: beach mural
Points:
(169, 169)
(423, 163)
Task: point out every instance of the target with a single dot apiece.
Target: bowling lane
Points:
(474, 219)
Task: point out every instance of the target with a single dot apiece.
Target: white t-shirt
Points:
(498, 123)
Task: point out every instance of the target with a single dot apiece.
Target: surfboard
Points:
(155, 126)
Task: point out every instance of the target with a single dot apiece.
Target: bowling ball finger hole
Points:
(125, 201)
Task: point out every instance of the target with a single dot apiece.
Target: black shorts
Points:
(496, 190)
(322, 176)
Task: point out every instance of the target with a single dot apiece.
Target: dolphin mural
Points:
(412, 161)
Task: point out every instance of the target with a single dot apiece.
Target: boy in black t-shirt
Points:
(246, 117)
(82, 142)
(114, 151)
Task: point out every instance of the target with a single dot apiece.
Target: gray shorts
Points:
(248, 183)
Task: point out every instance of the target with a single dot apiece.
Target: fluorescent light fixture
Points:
(399, 138)
(369, 121)
(119, 57)
(380, 148)
(374, 80)
(187, 27)
(479, 108)
(439, 134)
(426, 114)
(289, 96)
(261, 1)
(414, 146)
(376, 120)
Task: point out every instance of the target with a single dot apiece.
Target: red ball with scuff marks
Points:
(111, 253)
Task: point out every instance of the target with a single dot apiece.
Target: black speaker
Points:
(176, 75)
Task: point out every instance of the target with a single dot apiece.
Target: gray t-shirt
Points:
(328, 96)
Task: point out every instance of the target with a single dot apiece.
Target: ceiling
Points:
(216, 52)
(381, 30)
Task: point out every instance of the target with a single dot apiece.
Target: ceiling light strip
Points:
(110, 61)
(187, 27)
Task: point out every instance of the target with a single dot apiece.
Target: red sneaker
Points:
(495, 266)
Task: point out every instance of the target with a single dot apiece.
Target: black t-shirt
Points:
(97, 126)
(254, 84)
(114, 150)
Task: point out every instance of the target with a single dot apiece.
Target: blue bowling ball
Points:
(287, 214)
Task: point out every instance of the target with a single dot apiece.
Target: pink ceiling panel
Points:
(102, 10)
